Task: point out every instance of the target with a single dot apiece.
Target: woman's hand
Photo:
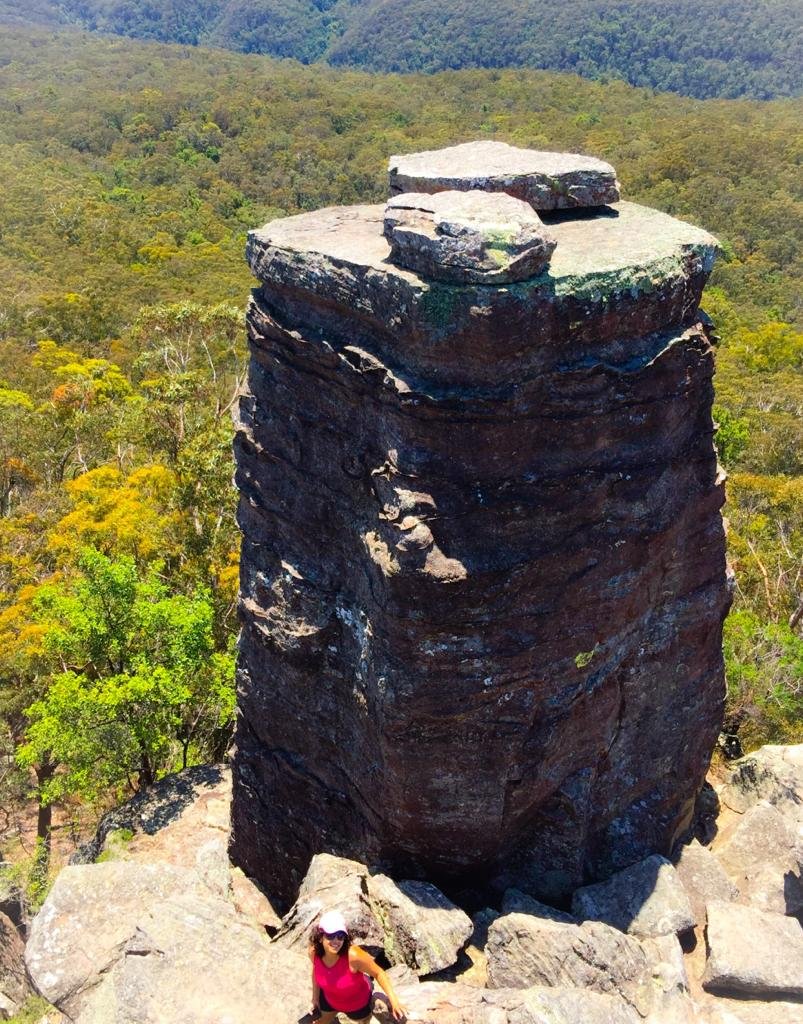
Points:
(398, 1011)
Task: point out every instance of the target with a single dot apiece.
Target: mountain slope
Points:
(702, 48)
(699, 47)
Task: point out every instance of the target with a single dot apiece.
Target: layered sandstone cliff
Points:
(483, 571)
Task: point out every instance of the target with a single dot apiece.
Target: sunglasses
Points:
(341, 936)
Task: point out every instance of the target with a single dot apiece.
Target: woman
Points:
(340, 973)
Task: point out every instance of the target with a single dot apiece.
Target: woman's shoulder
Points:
(357, 955)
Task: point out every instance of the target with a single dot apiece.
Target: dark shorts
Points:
(361, 1014)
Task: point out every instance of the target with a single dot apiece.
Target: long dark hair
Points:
(316, 942)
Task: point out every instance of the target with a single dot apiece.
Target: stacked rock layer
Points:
(483, 573)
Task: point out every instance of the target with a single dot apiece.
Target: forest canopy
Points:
(131, 174)
(702, 48)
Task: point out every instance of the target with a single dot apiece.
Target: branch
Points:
(797, 614)
(765, 575)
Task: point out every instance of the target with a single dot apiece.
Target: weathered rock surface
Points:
(332, 883)
(412, 922)
(124, 941)
(515, 902)
(423, 929)
(12, 903)
(647, 974)
(763, 856)
(251, 902)
(645, 899)
(703, 878)
(444, 1003)
(13, 984)
(128, 942)
(481, 533)
(547, 181)
(183, 820)
(170, 820)
(773, 774)
(753, 952)
(749, 1011)
(480, 237)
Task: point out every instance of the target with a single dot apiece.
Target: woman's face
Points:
(333, 943)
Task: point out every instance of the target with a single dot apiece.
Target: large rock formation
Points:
(483, 571)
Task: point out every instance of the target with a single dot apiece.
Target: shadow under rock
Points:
(703, 827)
(577, 213)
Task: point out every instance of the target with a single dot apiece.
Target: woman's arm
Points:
(315, 1006)
(359, 960)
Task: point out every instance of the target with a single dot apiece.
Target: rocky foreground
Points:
(160, 928)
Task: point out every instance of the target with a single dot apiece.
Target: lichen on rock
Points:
(480, 237)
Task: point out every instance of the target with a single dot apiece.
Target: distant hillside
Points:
(701, 48)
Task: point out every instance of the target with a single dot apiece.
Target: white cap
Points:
(332, 921)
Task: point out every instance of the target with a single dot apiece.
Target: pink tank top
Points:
(344, 989)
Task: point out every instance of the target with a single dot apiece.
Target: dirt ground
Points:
(73, 824)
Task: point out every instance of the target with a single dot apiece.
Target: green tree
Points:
(141, 683)
(764, 673)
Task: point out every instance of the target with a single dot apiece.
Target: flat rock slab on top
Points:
(547, 181)
(335, 251)
(478, 237)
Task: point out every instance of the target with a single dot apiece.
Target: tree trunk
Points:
(147, 776)
(44, 817)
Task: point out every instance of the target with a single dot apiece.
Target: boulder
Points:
(516, 902)
(763, 855)
(647, 974)
(149, 943)
(703, 878)
(487, 238)
(721, 1010)
(169, 821)
(12, 903)
(423, 929)
(250, 901)
(14, 986)
(443, 1003)
(772, 773)
(753, 952)
(542, 1005)
(412, 922)
(645, 899)
(332, 883)
(547, 181)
